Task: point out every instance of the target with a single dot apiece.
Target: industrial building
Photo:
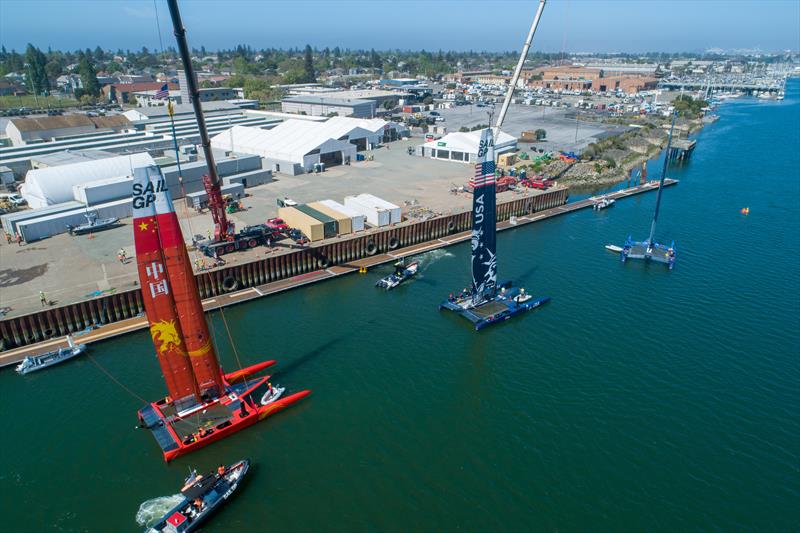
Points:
(463, 146)
(327, 105)
(296, 146)
(53, 185)
(23, 131)
(379, 96)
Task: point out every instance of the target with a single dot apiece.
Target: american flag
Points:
(162, 93)
(484, 175)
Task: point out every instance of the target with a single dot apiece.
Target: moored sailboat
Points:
(487, 302)
(203, 404)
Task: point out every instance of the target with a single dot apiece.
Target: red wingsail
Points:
(202, 355)
(157, 292)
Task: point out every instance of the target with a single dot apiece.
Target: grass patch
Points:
(15, 102)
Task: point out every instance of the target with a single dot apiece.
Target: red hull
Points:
(235, 377)
(176, 444)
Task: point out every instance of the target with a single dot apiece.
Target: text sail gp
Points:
(487, 302)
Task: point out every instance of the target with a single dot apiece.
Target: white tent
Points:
(53, 185)
(463, 146)
(296, 142)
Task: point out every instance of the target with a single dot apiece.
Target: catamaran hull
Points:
(518, 310)
(165, 432)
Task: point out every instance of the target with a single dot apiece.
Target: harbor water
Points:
(637, 399)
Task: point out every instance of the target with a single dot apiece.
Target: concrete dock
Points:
(136, 323)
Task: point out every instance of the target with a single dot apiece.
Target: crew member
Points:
(221, 470)
(42, 298)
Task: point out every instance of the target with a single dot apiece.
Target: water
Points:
(638, 399)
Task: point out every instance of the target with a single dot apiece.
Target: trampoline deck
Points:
(502, 306)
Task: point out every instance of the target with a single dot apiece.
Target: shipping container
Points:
(357, 220)
(375, 216)
(380, 203)
(329, 224)
(102, 191)
(310, 226)
(343, 223)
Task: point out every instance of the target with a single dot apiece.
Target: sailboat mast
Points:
(484, 220)
(661, 183)
(503, 110)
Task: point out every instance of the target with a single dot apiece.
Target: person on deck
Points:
(221, 470)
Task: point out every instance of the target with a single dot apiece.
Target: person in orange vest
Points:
(221, 470)
(202, 432)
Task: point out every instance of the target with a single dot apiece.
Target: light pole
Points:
(33, 84)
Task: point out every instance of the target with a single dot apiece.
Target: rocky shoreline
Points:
(611, 160)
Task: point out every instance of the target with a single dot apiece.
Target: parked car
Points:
(15, 199)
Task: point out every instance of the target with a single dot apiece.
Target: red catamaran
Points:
(204, 405)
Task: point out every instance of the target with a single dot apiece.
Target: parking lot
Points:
(564, 132)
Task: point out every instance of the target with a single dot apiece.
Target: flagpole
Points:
(171, 113)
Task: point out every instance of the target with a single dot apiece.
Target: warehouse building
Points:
(463, 146)
(293, 147)
(22, 131)
(53, 185)
(327, 105)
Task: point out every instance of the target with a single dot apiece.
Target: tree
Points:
(308, 66)
(540, 134)
(427, 100)
(388, 104)
(35, 73)
(88, 76)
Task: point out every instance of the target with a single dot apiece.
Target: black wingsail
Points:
(484, 258)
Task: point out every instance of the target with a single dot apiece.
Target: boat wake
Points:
(429, 258)
(152, 510)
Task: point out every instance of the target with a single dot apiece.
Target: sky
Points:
(494, 25)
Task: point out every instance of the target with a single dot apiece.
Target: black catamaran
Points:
(650, 250)
(487, 302)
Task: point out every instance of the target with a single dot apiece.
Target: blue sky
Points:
(567, 25)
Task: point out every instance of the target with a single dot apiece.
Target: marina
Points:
(583, 419)
(640, 397)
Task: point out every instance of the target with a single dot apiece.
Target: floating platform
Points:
(179, 432)
(660, 253)
(509, 302)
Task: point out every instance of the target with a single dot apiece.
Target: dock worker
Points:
(42, 298)
(8, 238)
(19, 239)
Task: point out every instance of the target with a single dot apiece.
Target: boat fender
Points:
(323, 262)
(372, 249)
(230, 284)
(451, 226)
(393, 243)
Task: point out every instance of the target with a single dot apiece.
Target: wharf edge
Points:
(121, 313)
